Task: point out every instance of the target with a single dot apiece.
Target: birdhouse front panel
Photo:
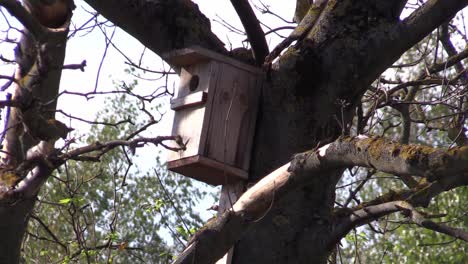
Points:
(195, 78)
(215, 113)
(190, 106)
(233, 114)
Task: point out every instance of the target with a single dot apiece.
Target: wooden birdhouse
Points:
(215, 113)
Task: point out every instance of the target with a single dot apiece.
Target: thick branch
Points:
(432, 14)
(161, 25)
(453, 60)
(444, 37)
(377, 153)
(252, 27)
(391, 9)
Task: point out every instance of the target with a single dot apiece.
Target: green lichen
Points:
(459, 153)
(411, 153)
(376, 148)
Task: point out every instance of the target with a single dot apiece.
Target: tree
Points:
(324, 92)
(103, 212)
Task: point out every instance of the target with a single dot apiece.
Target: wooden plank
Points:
(207, 170)
(190, 123)
(224, 170)
(230, 193)
(187, 124)
(232, 123)
(221, 142)
(194, 99)
(185, 57)
(215, 75)
(197, 54)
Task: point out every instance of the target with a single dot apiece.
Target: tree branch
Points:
(173, 24)
(419, 219)
(383, 155)
(24, 17)
(453, 60)
(39, 54)
(102, 148)
(303, 28)
(391, 9)
(429, 16)
(41, 161)
(420, 195)
(252, 27)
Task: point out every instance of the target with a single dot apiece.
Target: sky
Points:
(90, 46)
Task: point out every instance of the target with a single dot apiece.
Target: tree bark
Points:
(39, 55)
(161, 25)
(446, 170)
(311, 96)
(309, 100)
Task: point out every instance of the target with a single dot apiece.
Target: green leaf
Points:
(65, 201)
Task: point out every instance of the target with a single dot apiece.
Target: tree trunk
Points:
(39, 56)
(308, 100)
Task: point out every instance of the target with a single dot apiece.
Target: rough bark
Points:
(311, 96)
(309, 99)
(161, 25)
(40, 54)
(446, 169)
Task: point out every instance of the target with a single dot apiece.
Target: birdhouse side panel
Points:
(233, 114)
(188, 124)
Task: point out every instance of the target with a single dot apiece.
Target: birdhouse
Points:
(215, 113)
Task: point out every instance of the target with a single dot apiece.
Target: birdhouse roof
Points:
(195, 55)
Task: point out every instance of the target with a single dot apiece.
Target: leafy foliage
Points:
(113, 210)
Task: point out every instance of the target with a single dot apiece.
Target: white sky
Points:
(90, 47)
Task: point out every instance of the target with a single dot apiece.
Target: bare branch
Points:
(42, 160)
(103, 148)
(420, 220)
(79, 66)
(305, 26)
(47, 229)
(453, 60)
